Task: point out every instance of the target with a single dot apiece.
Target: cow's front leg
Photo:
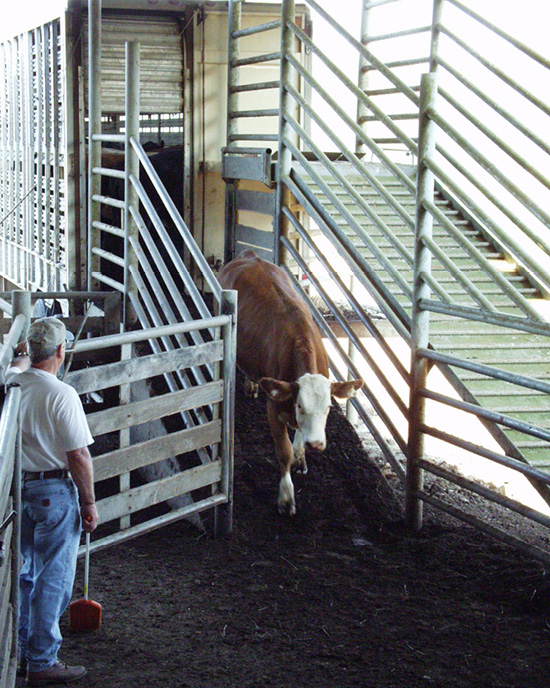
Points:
(299, 453)
(285, 455)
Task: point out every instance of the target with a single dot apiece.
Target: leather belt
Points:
(59, 474)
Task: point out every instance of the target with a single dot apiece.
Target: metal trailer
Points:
(44, 102)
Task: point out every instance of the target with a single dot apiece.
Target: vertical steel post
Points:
(234, 24)
(363, 75)
(287, 108)
(224, 513)
(72, 144)
(233, 52)
(436, 35)
(421, 290)
(131, 200)
(21, 304)
(94, 127)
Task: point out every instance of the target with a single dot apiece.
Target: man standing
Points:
(57, 470)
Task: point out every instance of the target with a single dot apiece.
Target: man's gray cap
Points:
(46, 333)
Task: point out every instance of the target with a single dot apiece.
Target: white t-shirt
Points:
(53, 421)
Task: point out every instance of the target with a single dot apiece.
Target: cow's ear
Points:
(276, 390)
(345, 390)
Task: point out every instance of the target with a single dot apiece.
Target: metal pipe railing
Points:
(486, 370)
(259, 28)
(348, 329)
(361, 135)
(475, 254)
(533, 54)
(492, 318)
(515, 248)
(480, 412)
(365, 320)
(489, 166)
(344, 79)
(369, 56)
(499, 142)
(493, 104)
(175, 257)
(360, 267)
(497, 72)
(183, 230)
(351, 366)
(359, 231)
(502, 459)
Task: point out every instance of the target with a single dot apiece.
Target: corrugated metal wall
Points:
(161, 52)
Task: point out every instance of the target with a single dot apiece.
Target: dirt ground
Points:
(339, 596)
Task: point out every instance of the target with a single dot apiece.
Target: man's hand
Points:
(89, 516)
(20, 357)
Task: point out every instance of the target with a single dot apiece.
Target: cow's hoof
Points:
(287, 509)
(251, 389)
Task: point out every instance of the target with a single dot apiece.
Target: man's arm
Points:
(82, 472)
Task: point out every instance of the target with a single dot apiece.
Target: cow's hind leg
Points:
(283, 449)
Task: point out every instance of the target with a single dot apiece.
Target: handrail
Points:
(491, 167)
(365, 52)
(533, 54)
(368, 102)
(503, 112)
(359, 133)
(497, 72)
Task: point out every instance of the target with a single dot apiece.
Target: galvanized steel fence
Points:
(462, 236)
(10, 513)
(148, 254)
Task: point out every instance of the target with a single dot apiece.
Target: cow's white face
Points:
(310, 395)
(312, 406)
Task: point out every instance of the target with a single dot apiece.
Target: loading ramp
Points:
(523, 353)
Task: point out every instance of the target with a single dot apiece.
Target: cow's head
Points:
(311, 397)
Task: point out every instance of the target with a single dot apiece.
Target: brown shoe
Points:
(58, 673)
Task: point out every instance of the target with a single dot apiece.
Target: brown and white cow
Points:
(280, 347)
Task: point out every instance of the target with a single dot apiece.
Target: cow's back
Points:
(276, 334)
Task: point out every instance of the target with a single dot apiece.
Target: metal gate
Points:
(445, 261)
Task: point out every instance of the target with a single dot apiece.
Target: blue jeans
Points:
(50, 535)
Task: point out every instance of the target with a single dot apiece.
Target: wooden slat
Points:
(144, 367)
(154, 450)
(7, 677)
(139, 412)
(5, 497)
(159, 491)
(5, 569)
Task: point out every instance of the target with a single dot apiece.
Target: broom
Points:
(85, 615)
